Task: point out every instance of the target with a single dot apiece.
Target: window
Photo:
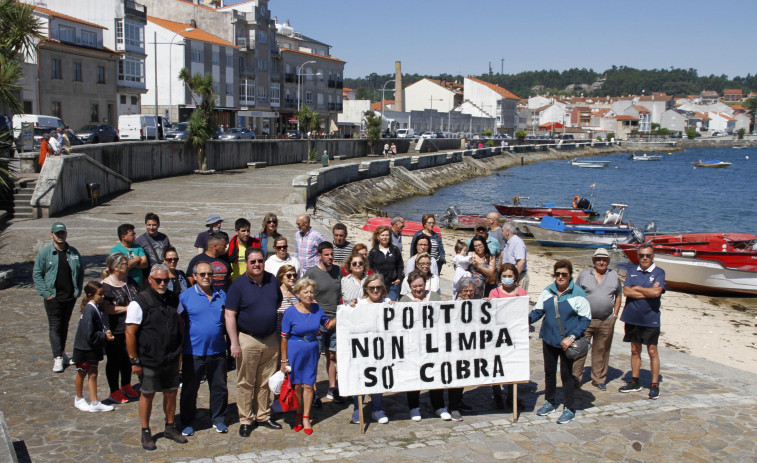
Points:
(119, 32)
(55, 109)
(320, 99)
(131, 69)
(216, 58)
(241, 65)
(320, 78)
(229, 59)
(135, 34)
(262, 94)
(100, 74)
(135, 100)
(309, 97)
(56, 72)
(94, 111)
(308, 74)
(122, 98)
(229, 89)
(89, 38)
(197, 55)
(262, 37)
(77, 72)
(262, 65)
(275, 94)
(66, 34)
(247, 91)
(216, 89)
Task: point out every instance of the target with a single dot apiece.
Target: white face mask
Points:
(507, 281)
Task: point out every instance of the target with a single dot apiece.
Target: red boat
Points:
(733, 250)
(411, 228)
(541, 211)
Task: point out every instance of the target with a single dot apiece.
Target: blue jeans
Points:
(376, 402)
(393, 292)
(191, 372)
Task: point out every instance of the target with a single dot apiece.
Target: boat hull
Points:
(733, 250)
(538, 211)
(703, 276)
(411, 228)
(579, 239)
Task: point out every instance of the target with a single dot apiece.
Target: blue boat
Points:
(554, 232)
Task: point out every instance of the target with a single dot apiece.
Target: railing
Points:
(241, 41)
(289, 77)
(135, 9)
(339, 84)
(332, 83)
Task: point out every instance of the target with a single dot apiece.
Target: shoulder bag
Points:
(580, 347)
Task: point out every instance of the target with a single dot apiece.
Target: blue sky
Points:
(458, 37)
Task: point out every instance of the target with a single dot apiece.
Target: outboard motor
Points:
(638, 235)
(584, 204)
(650, 226)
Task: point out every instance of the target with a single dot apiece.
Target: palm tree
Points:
(309, 122)
(201, 124)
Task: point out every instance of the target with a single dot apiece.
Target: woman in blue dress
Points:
(299, 347)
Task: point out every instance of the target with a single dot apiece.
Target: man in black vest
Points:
(154, 340)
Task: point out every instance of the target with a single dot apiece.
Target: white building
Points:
(721, 122)
(496, 100)
(181, 46)
(123, 23)
(436, 94)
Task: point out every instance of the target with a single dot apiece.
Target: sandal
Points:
(308, 431)
(297, 427)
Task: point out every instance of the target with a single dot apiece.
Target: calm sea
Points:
(670, 192)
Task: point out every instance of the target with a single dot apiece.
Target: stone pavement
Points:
(707, 412)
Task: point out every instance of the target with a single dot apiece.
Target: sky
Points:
(459, 37)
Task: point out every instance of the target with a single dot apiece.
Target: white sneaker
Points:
(415, 414)
(58, 365)
(380, 417)
(443, 414)
(67, 360)
(95, 407)
(81, 404)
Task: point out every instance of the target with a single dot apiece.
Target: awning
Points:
(293, 121)
(551, 126)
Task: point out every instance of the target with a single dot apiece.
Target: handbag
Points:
(580, 347)
(287, 398)
(275, 382)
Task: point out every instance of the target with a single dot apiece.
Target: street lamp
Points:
(299, 80)
(382, 98)
(170, 73)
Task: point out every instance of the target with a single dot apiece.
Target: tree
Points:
(691, 133)
(19, 32)
(310, 122)
(202, 122)
(521, 135)
(751, 105)
(487, 133)
(740, 133)
(372, 128)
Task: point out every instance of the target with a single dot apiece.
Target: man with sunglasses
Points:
(58, 277)
(202, 307)
(643, 290)
(154, 341)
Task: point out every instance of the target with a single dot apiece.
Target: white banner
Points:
(431, 345)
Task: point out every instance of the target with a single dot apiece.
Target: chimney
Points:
(399, 104)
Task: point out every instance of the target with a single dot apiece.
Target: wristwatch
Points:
(572, 336)
(134, 361)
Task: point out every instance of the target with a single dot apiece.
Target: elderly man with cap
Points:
(213, 222)
(605, 292)
(58, 277)
(482, 230)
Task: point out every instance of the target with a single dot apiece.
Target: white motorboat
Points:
(590, 164)
(646, 157)
(704, 276)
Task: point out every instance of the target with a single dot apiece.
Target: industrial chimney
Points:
(399, 104)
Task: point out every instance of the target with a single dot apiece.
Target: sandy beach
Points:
(704, 327)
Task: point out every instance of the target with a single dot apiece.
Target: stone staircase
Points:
(18, 206)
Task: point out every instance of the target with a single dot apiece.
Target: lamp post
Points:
(382, 99)
(299, 79)
(170, 73)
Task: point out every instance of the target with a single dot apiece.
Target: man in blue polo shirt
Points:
(202, 307)
(643, 289)
(251, 314)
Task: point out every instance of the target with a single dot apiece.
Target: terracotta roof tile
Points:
(726, 116)
(702, 116)
(641, 109)
(55, 14)
(196, 34)
(501, 91)
(733, 91)
(312, 54)
(626, 118)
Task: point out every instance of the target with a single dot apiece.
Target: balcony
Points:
(332, 106)
(290, 78)
(275, 51)
(339, 84)
(135, 10)
(339, 106)
(332, 83)
(290, 103)
(241, 42)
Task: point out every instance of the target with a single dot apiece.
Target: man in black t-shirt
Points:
(216, 257)
(152, 242)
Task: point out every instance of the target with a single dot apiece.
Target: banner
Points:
(431, 345)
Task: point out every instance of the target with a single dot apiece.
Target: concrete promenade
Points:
(707, 412)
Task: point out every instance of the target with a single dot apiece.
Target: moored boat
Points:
(554, 232)
(646, 157)
(590, 164)
(733, 250)
(456, 220)
(716, 164)
(411, 228)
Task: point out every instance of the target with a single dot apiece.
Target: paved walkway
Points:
(706, 413)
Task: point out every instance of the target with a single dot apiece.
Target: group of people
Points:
(247, 303)
(390, 150)
(54, 143)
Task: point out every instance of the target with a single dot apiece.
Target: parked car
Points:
(97, 133)
(237, 133)
(137, 127)
(295, 134)
(428, 135)
(37, 120)
(405, 133)
(178, 132)
(439, 135)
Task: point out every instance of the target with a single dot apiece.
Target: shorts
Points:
(85, 366)
(86, 356)
(327, 340)
(637, 334)
(161, 378)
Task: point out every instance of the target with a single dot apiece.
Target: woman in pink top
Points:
(507, 287)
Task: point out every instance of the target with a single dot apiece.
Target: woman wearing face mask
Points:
(508, 287)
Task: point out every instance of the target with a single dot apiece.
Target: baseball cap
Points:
(57, 227)
(213, 218)
(601, 252)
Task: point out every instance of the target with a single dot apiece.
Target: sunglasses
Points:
(645, 256)
(290, 275)
(161, 281)
(171, 259)
(256, 261)
(272, 221)
(205, 274)
(562, 274)
(281, 247)
(358, 264)
(374, 288)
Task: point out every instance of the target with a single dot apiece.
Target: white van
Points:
(405, 133)
(137, 127)
(51, 122)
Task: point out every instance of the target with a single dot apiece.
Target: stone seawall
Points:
(406, 177)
